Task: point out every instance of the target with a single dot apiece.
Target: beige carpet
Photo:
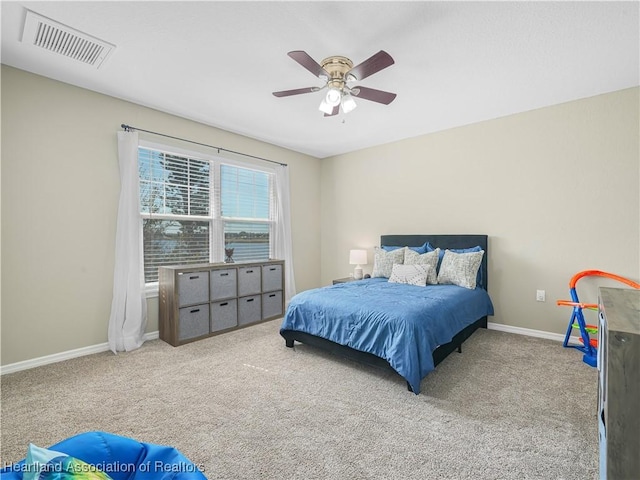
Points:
(244, 406)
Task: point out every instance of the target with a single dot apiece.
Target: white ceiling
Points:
(456, 63)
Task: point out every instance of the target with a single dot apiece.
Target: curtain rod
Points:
(128, 128)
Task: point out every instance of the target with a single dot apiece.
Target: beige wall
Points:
(556, 189)
(60, 189)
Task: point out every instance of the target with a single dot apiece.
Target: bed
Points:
(407, 328)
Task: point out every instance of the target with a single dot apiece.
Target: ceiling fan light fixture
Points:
(336, 73)
(348, 103)
(333, 97)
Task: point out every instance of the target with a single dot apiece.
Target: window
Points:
(245, 212)
(197, 210)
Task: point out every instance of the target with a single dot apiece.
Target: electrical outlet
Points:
(540, 295)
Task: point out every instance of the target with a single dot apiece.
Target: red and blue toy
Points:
(588, 346)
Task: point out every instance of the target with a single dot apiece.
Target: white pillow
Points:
(460, 268)
(430, 258)
(383, 261)
(410, 274)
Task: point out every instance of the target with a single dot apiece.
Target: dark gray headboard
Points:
(443, 242)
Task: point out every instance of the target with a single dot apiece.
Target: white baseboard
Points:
(530, 332)
(59, 357)
(103, 347)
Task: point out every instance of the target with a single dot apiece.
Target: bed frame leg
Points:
(460, 348)
(409, 387)
(288, 342)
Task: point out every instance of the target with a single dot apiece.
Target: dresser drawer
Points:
(249, 280)
(223, 283)
(272, 304)
(271, 278)
(224, 315)
(249, 310)
(194, 322)
(193, 288)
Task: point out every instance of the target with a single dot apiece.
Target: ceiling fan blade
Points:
(374, 95)
(373, 64)
(335, 111)
(297, 91)
(309, 63)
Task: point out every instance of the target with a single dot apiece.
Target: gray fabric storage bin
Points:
(194, 321)
(224, 315)
(249, 280)
(249, 310)
(271, 304)
(193, 288)
(223, 283)
(271, 278)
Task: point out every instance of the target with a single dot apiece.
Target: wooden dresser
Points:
(619, 383)
(197, 301)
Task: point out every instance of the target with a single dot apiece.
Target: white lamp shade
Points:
(348, 103)
(333, 97)
(325, 107)
(358, 257)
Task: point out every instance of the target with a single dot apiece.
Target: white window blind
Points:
(246, 212)
(182, 203)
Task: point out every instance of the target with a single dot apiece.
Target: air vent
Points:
(42, 32)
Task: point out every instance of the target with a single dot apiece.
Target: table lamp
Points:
(358, 258)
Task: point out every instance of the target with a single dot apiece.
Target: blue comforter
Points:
(401, 323)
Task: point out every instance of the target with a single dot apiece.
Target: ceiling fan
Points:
(337, 73)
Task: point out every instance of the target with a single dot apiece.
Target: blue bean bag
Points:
(100, 453)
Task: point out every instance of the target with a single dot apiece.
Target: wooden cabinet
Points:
(619, 383)
(197, 301)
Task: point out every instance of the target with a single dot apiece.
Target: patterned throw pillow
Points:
(429, 258)
(410, 274)
(44, 464)
(460, 268)
(383, 261)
